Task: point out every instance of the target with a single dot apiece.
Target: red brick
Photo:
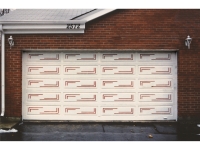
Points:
(121, 29)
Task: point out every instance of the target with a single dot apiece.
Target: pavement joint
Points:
(103, 128)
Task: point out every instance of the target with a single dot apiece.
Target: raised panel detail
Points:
(117, 57)
(43, 83)
(155, 97)
(80, 70)
(43, 57)
(155, 83)
(155, 70)
(43, 110)
(116, 84)
(82, 57)
(117, 97)
(80, 97)
(81, 84)
(80, 110)
(155, 110)
(153, 57)
(118, 70)
(43, 70)
(44, 97)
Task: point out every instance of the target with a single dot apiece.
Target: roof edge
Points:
(96, 15)
(43, 22)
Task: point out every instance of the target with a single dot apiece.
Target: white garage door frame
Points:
(121, 86)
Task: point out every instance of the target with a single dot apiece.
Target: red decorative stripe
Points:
(30, 95)
(34, 81)
(33, 68)
(126, 99)
(67, 109)
(157, 99)
(163, 99)
(104, 109)
(88, 99)
(163, 112)
(145, 68)
(88, 112)
(56, 98)
(70, 55)
(67, 82)
(108, 68)
(131, 85)
(70, 68)
(51, 85)
(30, 55)
(168, 58)
(142, 82)
(33, 108)
(93, 58)
(106, 82)
(51, 112)
(131, 112)
(141, 109)
(163, 72)
(157, 72)
(93, 85)
(141, 55)
(163, 85)
(57, 58)
(51, 72)
(70, 95)
(107, 55)
(88, 72)
(125, 58)
(145, 95)
(125, 72)
(108, 95)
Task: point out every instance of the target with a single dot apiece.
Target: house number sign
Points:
(73, 26)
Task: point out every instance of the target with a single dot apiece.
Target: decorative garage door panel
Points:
(99, 86)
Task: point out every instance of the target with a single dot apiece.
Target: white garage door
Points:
(99, 86)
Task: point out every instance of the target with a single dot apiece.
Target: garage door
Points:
(99, 86)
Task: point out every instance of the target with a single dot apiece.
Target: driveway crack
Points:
(156, 129)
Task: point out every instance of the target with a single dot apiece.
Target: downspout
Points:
(2, 72)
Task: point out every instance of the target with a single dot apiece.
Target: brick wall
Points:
(122, 29)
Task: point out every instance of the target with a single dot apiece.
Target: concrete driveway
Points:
(38, 131)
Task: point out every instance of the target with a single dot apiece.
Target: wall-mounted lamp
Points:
(188, 41)
(11, 41)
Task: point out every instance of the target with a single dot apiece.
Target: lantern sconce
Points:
(188, 41)
(11, 41)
